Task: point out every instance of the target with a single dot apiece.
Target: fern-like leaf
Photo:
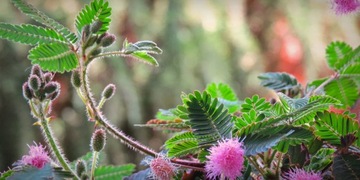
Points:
(331, 127)
(335, 53)
(225, 94)
(280, 82)
(97, 10)
(343, 89)
(346, 166)
(53, 57)
(189, 146)
(353, 72)
(292, 104)
(114, 172)
(40, 17)
(29, 34)
(299, 136)
(256, 103)
(209, 121)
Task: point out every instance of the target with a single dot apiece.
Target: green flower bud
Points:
(91, 41)
(48, 77)
(51, 87)
(36, 70)
(27, 93)
(108, 91)
(80, 167)
(96, 26)
(75, 79)
(34, 82)
(98, 140)
(107, 40)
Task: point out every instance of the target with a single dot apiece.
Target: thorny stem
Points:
(52, 142)
(96, 115)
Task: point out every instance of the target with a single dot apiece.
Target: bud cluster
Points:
(90, 36)
(40, 85)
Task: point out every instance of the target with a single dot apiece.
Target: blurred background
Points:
(230, 41)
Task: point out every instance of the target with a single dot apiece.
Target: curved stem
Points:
(52, 142)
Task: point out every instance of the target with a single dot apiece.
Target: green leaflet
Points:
(40, 17)
(225, 94)
(280, 82)
(209, 121)
(54, 57)
(114, 172)
(97, 10)
(145, 57)
(29, 34)
(335, 53)
(343, 89)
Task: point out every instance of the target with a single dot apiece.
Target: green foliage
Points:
(321, 159)
(280, 82)
(346, 166)
(299, 136)
(331, 127)
(6, 174)
(291, 104)
(29, 172)
(40, 17)
(181, 144)
(343, 89)
(141, 50)
(208, 118)
(225, 94)
(255, 103)
(335, 54)
(259, 143)
(97, 10)
(29, 34)
(54, 57)
(114, 172)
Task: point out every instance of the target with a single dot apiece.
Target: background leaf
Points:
(54, 57)
(335, 52)
(346, 166)
(29, 173)
(280, 82)
(225, 95)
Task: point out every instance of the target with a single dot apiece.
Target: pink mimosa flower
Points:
(226, 159)
(37, 157)
(300, 174)
(162, 168)
(345, 6)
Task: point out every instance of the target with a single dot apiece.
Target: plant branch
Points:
(47, 132)
(322, 85)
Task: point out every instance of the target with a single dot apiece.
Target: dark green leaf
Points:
(53, 57)
(114, 172)
(209, 120)
(40, 17)
(29, 34)
(47, 172)
(299, 136)
(346, 166)
(97, 10)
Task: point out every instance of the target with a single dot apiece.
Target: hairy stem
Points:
(93, 165)
(256, 165)
(55, 148)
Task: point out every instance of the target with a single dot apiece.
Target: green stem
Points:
(101, 103)
(93, 165)
(52, 142)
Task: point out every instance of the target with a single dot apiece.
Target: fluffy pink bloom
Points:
(300, 174)
(345, 6)
(37, 157)
(226, 159)
(162, 168)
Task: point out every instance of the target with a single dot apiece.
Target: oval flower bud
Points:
(96, 26)
(34, 82)
(75, 79)
(48, 77)
(85, 32)
(98, 140)
(107, 40)
(108, 91)
(80, 167)
(51, 87)
(36, 70)
(27, 93)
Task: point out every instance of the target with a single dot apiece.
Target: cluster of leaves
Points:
(298, 125)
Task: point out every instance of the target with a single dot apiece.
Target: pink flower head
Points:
(225, 159)
(37, 157)
(300, 174)
(345, 6)
(162, 168)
